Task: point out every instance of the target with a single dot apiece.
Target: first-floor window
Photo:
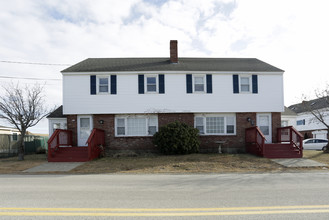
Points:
(136, 125)
(215, 124)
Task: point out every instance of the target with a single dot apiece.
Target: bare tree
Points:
(319, 109)
(23, 108)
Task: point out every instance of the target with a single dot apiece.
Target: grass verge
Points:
(153, 164)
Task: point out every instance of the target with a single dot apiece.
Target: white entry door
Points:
(264, 122)
(85, 125)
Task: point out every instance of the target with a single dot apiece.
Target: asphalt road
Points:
(224, 196)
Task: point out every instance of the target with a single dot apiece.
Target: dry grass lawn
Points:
(318, 156)
(12, 165)
(149, 164)
(193, 163)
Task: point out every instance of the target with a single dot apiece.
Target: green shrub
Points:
(177, 138)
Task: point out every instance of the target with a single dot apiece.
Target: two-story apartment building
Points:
(131, 98)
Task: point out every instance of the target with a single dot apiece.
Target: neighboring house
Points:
(14, 132)
(288, 117)
(131, 98)
(306, 123)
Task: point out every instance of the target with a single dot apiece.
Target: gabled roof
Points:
(312, 105)
(57, 113)
(288, 112)
(164, 64)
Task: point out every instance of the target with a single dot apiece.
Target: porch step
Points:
(281, 150)
(70, 154)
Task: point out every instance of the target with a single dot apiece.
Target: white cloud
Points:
(288, 34)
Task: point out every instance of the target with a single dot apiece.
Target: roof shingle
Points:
(163, 64)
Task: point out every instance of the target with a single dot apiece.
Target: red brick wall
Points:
(276, 123)
(72, 126)
(233, 143)
(166, 118)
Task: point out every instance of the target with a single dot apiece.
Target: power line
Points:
(15, 77)
(45, 64)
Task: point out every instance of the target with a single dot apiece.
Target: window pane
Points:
(120, 122)
(152, 130)
(153, 121)
(265, 130)
(199, 121)
(245, 80)
(215, 125)
(151, 88)
(136, 126)
(199, 88)
(230, 129)
(84, 122)
(151, 80)
(121, 130)
(245, 88)
(103, 88)
(103, 81)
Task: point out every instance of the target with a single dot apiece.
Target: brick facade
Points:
(232, 143)
(73, 126)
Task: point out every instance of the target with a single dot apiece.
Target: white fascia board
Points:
(171, 72)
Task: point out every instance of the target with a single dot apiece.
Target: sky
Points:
(39, 38)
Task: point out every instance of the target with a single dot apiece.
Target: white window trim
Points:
(109, 84)
(250, 83)
(156, 82)
(204, 83)
(204, 116)
(125, 117)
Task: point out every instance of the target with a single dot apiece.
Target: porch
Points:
(290, 143)
(60, 147)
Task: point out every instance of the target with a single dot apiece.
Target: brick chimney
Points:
(173, 51)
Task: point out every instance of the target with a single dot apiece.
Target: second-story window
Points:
(103, 85)
(245, 84)
(199, 83)
(151, 84)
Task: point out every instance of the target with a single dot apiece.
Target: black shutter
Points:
(161, 84)
(235, 83)
(92, 85)
(209, 83)
(113, 84)
(141, 84)
(189, 83)
(254, 84)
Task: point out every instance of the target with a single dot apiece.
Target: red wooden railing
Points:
(291, 135)
(255, 139)
(59, 138)
(95, 143)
